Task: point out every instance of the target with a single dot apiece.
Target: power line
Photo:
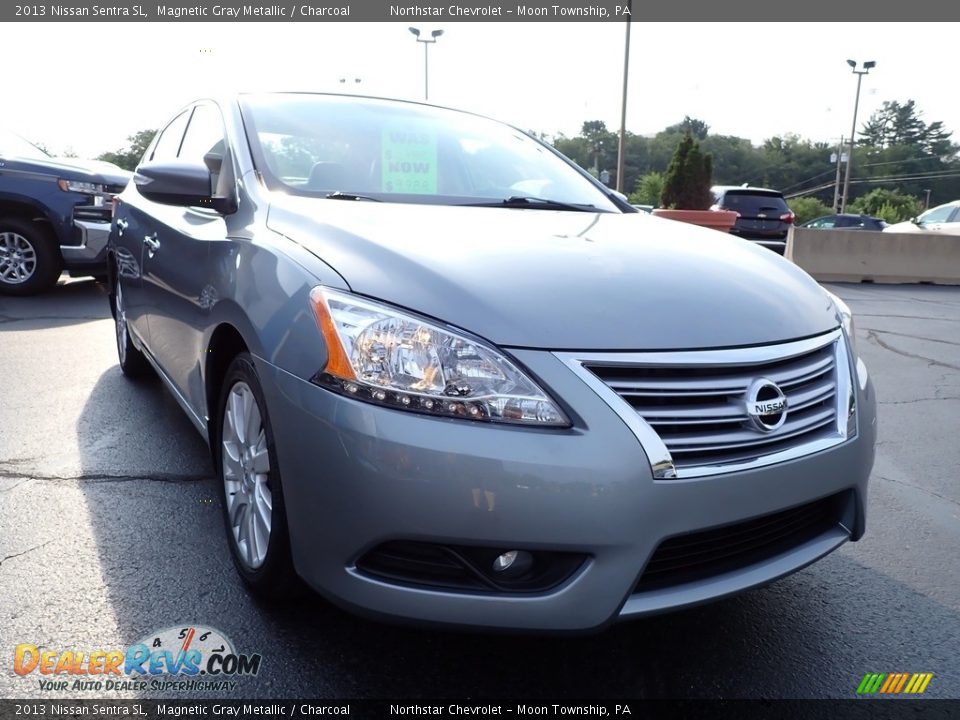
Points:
(863, 165)
(944, 175)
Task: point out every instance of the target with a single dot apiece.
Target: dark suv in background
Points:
(54, 215)
(764, 215)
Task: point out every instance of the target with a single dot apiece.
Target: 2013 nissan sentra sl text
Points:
(447, 376)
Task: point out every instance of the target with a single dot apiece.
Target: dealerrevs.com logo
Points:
(185, 658)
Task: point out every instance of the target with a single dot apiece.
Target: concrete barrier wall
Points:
(860, 255)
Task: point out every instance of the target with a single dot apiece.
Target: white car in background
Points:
(941, 219)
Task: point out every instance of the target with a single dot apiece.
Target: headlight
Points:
(388, 357)
(87, 188)
(845, 316)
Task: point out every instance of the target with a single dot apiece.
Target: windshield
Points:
(401, 152)
(752, 204)
(15, 146)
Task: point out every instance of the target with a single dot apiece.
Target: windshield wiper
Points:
(528, 201)
(349, 196)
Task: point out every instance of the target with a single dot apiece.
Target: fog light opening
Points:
(513, 563)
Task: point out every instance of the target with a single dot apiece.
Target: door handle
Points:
(152, 243)
(121, 226)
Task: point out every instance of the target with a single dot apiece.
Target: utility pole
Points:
(836, 183)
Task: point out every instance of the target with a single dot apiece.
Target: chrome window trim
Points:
(661, 461)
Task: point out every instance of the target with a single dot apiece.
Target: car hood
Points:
(903, 227)
(95, 171)
(561, 280)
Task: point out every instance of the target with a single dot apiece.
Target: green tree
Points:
(899, 151)
(648, 189)
(128, 158)
(696, 128)
(902, 124)
(890, 205)
(808, 208)
(686, 185)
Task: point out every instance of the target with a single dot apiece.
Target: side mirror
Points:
(915, 220)
(182, 184)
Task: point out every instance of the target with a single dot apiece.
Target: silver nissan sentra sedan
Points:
(446, 376)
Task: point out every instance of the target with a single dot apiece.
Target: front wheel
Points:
(254, 510)
(30, 261)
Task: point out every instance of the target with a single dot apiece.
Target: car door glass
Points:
(170, 138)
(937, 215)
(204, 143)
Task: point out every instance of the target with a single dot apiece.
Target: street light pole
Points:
(853, 131)
(622, 144)
(426, 57)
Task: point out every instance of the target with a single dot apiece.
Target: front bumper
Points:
(91, 253)
(356, 475)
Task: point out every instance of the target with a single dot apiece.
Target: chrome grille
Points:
(695, 403)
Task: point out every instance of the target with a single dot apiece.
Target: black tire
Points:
(274, 577)
(133, 363)
(35, 247)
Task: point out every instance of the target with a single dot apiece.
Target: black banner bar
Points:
(858, 709)
(755, 12)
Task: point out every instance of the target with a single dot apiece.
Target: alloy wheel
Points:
(18, 258)
(120, 321)
(246, 475)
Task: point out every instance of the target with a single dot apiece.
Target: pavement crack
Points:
(907, 317)
(917, 487)
(915, 337)
(15, 486)
(872, 335)
(915, 400)
(103, 477)
(24, 552)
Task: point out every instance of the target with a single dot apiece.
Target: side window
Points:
(169, 143)
(204, 137)
(204, 142)
(937, 215)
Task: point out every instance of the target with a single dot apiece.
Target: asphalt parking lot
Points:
(110, 528)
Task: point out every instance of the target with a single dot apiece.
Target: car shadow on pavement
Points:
(69, 303)
(154, 510)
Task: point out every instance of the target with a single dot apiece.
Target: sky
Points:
(85, 87)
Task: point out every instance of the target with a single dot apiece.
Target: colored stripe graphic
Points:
(918, 683)
(892, 680)
(870, 683)
(894, 683)
(903, 681)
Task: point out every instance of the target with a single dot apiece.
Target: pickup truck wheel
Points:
(254, 511)
(30, 261)
(133, 363)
